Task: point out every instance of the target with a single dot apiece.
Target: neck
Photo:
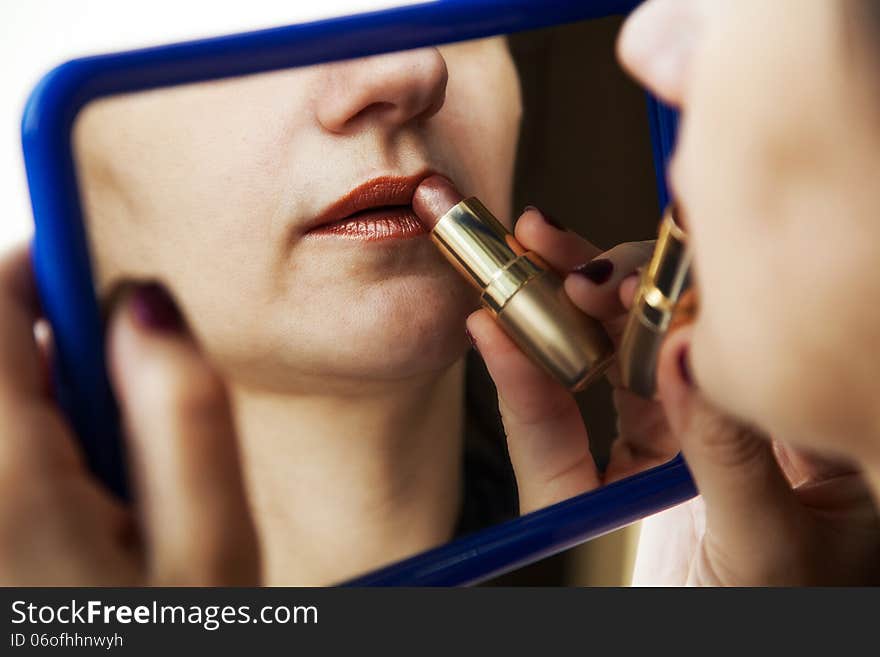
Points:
(341, 484)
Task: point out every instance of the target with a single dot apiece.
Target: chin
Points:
(348, 331)
(414, 327)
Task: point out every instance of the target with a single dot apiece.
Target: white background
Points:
(35, 35)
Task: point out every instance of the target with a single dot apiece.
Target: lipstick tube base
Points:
(526, 298)
(572, 347)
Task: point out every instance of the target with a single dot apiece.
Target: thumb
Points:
(182, 447)
(750, 507)
(546, 437)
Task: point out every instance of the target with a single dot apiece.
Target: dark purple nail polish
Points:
(597, 271)
(684, 367)
(153, 308)
(548, 219)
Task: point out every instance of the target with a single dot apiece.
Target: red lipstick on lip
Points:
(377, 210)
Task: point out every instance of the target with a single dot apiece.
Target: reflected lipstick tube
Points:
(657, 299)
(524, 295)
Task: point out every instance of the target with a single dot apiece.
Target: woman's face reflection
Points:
(776, 171)
(212, 189)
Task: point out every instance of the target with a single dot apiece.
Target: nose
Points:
(658, 42)
(387, 90)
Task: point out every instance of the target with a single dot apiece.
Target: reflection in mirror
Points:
(276, 209)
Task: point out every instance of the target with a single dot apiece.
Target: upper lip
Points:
(384, 191)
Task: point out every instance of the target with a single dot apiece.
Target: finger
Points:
(562, 249)
(56, 522)
(34, 435)
(182, 445)
(593, 277)
(594, 287)
(46, 347)
(644, 440)
(19, 309)
(751, 511)
(628, 289)
(548, 443)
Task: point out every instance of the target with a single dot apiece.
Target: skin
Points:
(347, 396)
(791, 509)
(218, 480)
(235, 195)
(781, 430)
(191, 525)
(798, 158)
(774, 173)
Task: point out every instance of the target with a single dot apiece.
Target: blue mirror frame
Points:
(63, 269)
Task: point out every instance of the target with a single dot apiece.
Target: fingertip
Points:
(488, 338)
(147, 309)
(144, 326)
(675, 383)
(478, 323)
(122, 333)
(674, 359)
(579, 291)
(595, 287)
(529, 227)
(628, 289)
(596, 300)
(507, 364)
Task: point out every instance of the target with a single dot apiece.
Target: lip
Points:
(377, 210)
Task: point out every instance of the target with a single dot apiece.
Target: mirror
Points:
(369, 431)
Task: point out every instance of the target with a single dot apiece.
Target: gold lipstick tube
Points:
(660, 287)
(524, 295)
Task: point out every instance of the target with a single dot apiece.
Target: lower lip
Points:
(375, 226)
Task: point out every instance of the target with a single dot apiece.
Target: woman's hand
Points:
(547, 440)
(768, 514)
(58, 526)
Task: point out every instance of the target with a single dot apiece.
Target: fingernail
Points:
(598, 271)
(684, 367)
(548, 219)
(154, 309)
(473, 342)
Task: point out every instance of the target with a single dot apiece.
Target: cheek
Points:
(478, 128)
(720, 179)
(197, 185)
(768, 184)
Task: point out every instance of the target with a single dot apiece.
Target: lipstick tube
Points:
(660, 288)
(524, 295)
